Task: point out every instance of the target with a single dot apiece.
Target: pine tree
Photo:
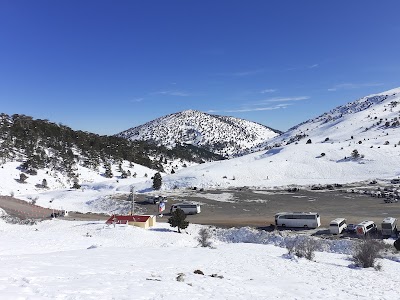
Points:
(355, 154)
(22, 178)
(178, 219)
(157, 181)
(76, 184)
(124, 174)
(108, 173)
(44, 183)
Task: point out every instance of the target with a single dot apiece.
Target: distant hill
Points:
(227, 136)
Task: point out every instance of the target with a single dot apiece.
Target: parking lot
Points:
(250, 207)
(246, 207)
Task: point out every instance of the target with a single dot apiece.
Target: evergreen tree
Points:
(44, 183)
(355, 154)
(124, 174)
(178, 219)
(76, 184)
(108, 173)
(22, 178)
(157, 181)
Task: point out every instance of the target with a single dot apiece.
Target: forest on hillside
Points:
(39, 144)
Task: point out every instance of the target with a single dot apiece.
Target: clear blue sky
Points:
(106, 66)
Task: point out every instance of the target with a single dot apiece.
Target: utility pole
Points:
(132, 199)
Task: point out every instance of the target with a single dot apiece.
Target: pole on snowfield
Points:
(132, 196)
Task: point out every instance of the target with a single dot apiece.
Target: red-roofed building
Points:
(143, 221)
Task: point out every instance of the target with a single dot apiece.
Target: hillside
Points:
(40, 144)
(371, 120)
(227, 136)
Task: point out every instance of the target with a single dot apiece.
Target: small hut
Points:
(143, 221)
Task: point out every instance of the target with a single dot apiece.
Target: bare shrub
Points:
(302, 247)
(204, 237)
(306, 248)
(290, 246)
(366, 252)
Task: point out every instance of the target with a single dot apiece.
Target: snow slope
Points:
(81, 260)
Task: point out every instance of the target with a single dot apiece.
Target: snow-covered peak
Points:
(219, 134)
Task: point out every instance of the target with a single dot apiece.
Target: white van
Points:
(389, 226)
(337, 226)
(188, 208)
(366, 227)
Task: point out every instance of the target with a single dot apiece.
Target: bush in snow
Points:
(204, 237)
(306, 248)
(302, 247)
(366, 252)
(22, 178)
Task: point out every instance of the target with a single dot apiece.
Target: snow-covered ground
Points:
(59, 259)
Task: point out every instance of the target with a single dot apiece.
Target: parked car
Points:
(389, 226)
(337, 226)
(155, 199)
(366, 227)
(351, 228)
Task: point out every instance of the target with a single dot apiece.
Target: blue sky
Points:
(106, 66)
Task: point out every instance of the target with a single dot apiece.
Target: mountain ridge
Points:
(224, 135)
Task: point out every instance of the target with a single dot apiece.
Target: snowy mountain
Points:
(373, 120)
(224, 135)
(352, 143)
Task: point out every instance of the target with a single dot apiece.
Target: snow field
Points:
(88, 260)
